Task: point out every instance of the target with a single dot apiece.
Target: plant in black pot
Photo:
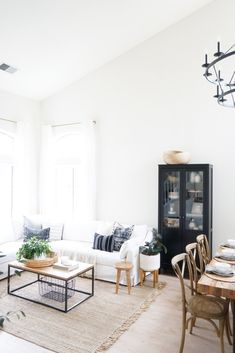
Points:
(150, 252)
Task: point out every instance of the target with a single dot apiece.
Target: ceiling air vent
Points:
(8, 68)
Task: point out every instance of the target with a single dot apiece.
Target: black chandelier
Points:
(218, 72)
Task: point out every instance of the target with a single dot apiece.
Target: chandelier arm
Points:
(214, 62)
(231, 78)
(230, 48)
(225, 94)
(216, 74)
(233, 99)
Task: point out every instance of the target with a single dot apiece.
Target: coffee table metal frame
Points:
(53, 273)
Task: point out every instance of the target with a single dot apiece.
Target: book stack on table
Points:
(68, 266)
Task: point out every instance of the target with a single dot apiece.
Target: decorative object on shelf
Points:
(218, 72)
(192, 177)
(192, 224)
(176, 157)
(171, 222)
(197, 178)
(197, 208)
(36, 253)
(150, 252)
(171, 210)
(173, 195)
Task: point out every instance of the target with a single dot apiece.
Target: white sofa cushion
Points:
(83, 251)
(85, 231)
(107, 258)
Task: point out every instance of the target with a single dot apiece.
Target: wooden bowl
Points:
(37, 263)
(176, 157)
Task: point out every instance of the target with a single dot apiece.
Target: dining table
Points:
(221, 287)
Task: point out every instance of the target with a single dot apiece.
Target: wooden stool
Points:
(143, 275)
(123, 266)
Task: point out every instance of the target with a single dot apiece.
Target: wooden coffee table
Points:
(58, 283)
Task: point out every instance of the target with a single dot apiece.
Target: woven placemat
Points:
(221, 278)
(227, 246)
(231, 262)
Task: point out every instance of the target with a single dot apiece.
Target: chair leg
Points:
(141, 276)
(183, 333)
(192, 324)
(228, 330)
(117, 280)
(221, 329)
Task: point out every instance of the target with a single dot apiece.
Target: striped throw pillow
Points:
(103, 242)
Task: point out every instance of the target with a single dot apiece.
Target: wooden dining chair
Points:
(198, 267)
(198, 306)
(195, 256)
(204, 249)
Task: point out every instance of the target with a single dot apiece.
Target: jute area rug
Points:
(91, 327)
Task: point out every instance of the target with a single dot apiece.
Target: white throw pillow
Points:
(56, 229)
(80, 231)
(33, 221)
(105, 228)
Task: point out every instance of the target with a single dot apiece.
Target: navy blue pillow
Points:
(42, 234)
(103, 242)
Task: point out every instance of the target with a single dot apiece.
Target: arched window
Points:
(68, 171)
(68, 159)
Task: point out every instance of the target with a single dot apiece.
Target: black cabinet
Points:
(184, 207)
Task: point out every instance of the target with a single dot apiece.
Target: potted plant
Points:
(34, 248)
(150, 252)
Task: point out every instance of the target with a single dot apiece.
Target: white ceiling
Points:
(56, 42)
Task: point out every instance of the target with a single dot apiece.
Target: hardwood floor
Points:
(157, 330)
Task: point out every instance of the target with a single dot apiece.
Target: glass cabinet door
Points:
(194, 200)
(171, 200)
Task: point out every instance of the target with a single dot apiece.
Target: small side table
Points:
(123, 266)
(143, 275)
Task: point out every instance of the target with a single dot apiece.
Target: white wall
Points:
(16, 108)
(152, 99)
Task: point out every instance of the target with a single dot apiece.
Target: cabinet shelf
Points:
(194, 215)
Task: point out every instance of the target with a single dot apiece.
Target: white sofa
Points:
(76, 241)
